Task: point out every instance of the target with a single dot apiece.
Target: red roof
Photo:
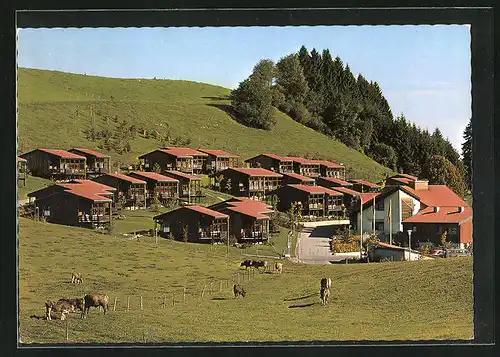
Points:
(347, 191)
(337, 181)
(444, 215)
(218, 153)
(21, 159)
(91, 152)
(410, 177)
(97, 185)
(273, 156)
(256, 172)
(329, 164)
(249, 210)
(62, 153)
(183, 175)
(87, 191)
(368, 196)
(436, 196)
(126, 178)
(183, 152)
(154, 176)
(207, 211)
(403, 180)
(298, 177)
(301, 160)
(316, 189)
(366, 183)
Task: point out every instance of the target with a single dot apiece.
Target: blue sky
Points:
(424, 71)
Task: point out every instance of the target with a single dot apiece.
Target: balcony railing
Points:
(212, 235)
(93, 218)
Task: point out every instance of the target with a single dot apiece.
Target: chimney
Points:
(436, 209)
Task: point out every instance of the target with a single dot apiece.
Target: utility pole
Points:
(374, 215)
(409, 244)
(390, 221)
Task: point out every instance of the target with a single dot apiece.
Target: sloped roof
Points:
(329, 164)
(368, 196)
(301, 160)
(337, 181)
(255, 172)
(154, 176)
(182, 175)
(249, 210)
(207, 211)
(444, 215)
(316, 189)
(272, 156)
(60, 153)
(366, 183)
(297, 176)
(218, 153)
(347, 191)
(403, 180)
(88, 191)
(183, 152)
(410, 177)
(91, 152)
(97, 185)
(126, 178)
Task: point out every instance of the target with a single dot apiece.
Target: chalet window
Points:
(379, 205)
(452, 231)
(46, 212)
(166, 229)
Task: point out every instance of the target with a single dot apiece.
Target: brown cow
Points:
(63, 306)
(96, 301)
(238, 290)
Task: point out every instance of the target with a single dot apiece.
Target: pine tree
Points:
(467, 153)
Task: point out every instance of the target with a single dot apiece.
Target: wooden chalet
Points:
(291, 178)
(193, 223)
(430, 223)
(331, 169)
(305, 167)
(55, 164)
(313, 200)
(249, 182)
(22, 170)
(166, 188)
(364, 186)
(97, 163)
(130, 192)
(218, 160)
(331, 182)
(189, 185)
(171, 158)
(84, 204)
(249, 219)
(271, 162)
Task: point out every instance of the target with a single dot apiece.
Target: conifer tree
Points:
(467, 153)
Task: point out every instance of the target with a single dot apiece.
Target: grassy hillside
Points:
(389, 301)
(54, 111)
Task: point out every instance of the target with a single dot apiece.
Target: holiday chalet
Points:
(163, 187)
(271, 162)
(55, 164)
(97, 163)
(171, 158)
(130, 192)
(249, 182)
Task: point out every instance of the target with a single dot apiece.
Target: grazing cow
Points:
(238, 290)
(96, 301)
(76, 302)
(324, 293)
(259, 263)
(247, 264)
(278, 267)
(63, 306)
(76, 278)
(326, 283)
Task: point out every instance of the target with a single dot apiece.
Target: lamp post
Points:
(409, 243)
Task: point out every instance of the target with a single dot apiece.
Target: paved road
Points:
(314, 246)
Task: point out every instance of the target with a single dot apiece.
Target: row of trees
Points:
(320, 92)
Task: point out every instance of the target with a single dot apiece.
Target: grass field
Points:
(378, 301)
(33, 183)
(54, 112)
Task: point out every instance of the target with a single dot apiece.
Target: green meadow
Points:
(378, 301)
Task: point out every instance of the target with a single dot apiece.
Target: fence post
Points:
(184, 295)
(67, 330)
(128, 303)
(114, 306)
(141, 302)
(249, 275)
(173, 299)
(220, 286)
(203, 291)
(164, 301)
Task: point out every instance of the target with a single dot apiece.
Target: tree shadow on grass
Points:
(220, 299)
(304, 305)
(221, 97)
(42, 317)
(229, 110)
